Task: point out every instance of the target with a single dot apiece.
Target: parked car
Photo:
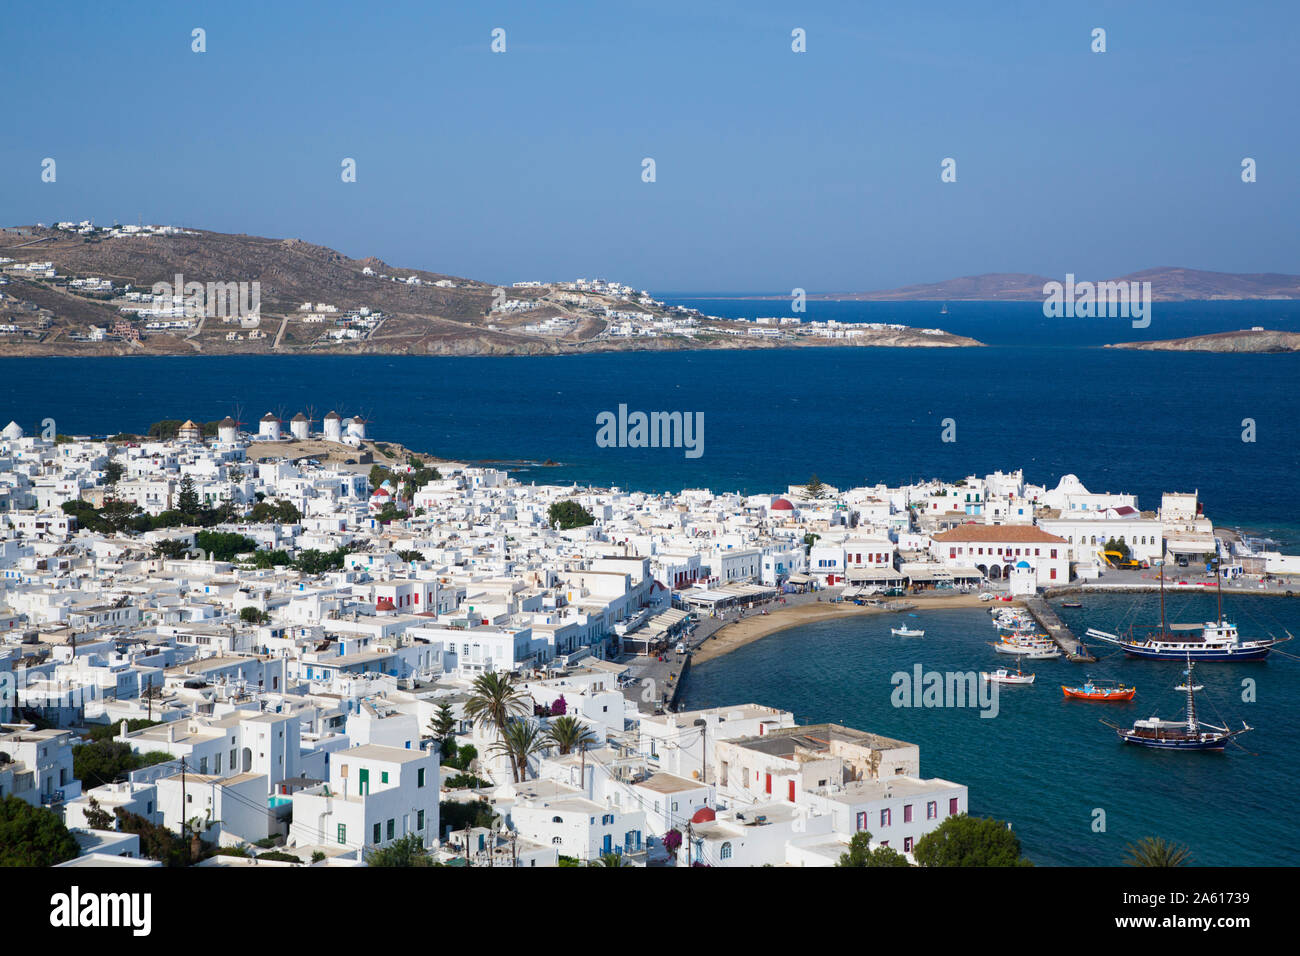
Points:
(681, 647)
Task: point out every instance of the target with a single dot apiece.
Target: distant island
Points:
(1168, 284)
(81, 289)
(1244, 340)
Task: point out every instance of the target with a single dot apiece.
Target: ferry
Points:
(1091, 690)
(1212, 641)
(1189, 734)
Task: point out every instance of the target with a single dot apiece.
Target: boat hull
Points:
(1077, 694)
(1156, 743)
(1197, 656)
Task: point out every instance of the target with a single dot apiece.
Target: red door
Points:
(769, 783)
(792, 791)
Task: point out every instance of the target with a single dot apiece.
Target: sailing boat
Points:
(1191, 734)
(1218, 640)
(944, 310)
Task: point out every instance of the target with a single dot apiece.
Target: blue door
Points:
(609, 844)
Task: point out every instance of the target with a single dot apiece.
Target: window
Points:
(725, 852)
(419, 777)
(862, 821)
(952, 806)
(419, 819)
(390, 828)
(377, 836)
(885, 816)
(907, 844)
(907, 813)
(931, 810)
(383, 776)
(343, 833)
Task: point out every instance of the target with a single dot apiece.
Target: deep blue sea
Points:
(1044, 397)
(1045, 763)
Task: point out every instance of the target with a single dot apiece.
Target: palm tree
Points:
(568, 734)
(609, 859)
(1157, 851)
(519, 741)
(493, 701)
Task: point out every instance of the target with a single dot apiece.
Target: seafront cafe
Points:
(658, 632)
(867, 579)
(725, 597)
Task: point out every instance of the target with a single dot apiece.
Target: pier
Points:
(1057, 631)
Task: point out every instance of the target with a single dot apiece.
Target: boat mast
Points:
(1218, 576)
(1191, 698)
(1162, 597)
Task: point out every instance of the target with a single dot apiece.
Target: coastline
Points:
(758, 626)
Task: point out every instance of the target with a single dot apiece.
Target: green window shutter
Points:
(419, 820)
(377, 836)
(343, 833)
(383, 776)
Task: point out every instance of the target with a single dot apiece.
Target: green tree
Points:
(224, 545)
(174, 548)
(409, 851)
(187, 500)
(568, 734)
(1156, 851)
(569, 514)
(102, 761)
(970, 841)
(815, 488)
(313, 561)
(113, 473)
(494, 701)
(610, 859)
(97, 818)
(458, 814)
(861, 854)
(252, 615)
(442, 725)
(33, 836)
(520, 740)
(156, 842)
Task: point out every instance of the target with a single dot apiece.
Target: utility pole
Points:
(689, 833)
(704, 749)
(184, 823)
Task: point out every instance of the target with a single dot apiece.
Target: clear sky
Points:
(774, 169)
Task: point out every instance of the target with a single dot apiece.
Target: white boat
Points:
(906, 632)
(1004, 676)
(1035, 652)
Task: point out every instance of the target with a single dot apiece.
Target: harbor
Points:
(1056, 629)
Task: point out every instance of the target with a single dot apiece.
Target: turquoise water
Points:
(1045, 763)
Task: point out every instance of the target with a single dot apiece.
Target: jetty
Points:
(1070, 645)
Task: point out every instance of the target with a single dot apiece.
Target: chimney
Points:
(171, 732)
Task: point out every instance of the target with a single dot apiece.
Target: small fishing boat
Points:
(1071, 604)
(1004, 676)
(1189, 734)
(1035, 652)
(1094, 690)
(906, 632)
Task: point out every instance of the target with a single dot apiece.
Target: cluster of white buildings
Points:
(87, 228)
(297, 706)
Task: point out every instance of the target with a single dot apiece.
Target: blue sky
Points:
(774, 169)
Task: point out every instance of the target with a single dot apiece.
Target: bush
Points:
(33, 836)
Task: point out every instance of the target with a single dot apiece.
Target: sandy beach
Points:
(757, 626)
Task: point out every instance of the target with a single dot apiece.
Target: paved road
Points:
(654, 680)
